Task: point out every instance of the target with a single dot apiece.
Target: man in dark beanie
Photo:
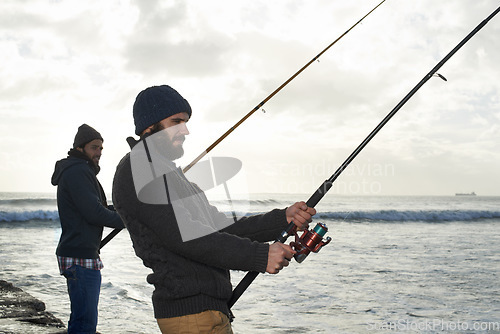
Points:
(83, 212)
(189, 245)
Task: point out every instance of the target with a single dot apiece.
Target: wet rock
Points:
(22, 313)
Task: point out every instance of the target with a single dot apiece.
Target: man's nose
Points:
(183, 129)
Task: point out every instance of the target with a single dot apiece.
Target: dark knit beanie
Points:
(85, 135)
(155, 104)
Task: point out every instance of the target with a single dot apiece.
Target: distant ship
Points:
(466, 194)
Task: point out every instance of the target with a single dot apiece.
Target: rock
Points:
(22, 313)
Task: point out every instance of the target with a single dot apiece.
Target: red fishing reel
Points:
(310, 241)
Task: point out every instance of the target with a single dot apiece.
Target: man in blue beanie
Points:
(175, 230)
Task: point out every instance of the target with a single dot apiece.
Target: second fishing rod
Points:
(312, 240)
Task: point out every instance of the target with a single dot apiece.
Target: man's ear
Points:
(80, 149)
(148, 130)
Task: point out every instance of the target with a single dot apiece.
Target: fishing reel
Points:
(309, 241)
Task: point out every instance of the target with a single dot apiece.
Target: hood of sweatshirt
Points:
(63, 165)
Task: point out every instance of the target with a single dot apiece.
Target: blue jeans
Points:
(84, 286)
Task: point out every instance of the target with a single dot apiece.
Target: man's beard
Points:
(91, 158)
(173, 153)
(163, 143)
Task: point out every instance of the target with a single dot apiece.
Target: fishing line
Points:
(348, 214)
(323, 189)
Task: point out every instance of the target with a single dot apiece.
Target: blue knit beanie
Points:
(155, 104)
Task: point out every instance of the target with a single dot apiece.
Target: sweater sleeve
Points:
(218, 248)
(85, 196)
(262, 228)
(155, 226)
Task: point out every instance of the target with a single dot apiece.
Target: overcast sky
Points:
(65, 63)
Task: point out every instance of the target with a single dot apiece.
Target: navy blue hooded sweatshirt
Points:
(82, 207)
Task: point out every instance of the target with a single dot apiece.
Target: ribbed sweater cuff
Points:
(261, 257)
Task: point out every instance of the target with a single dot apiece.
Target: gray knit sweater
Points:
(193, 276)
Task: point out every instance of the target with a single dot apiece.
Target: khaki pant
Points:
(213, 322)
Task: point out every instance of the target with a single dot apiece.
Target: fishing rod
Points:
(110, 236)
(257, 107)
(313, 238)
(113, 233)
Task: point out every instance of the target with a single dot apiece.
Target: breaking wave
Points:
(23, 216)
(412, 216)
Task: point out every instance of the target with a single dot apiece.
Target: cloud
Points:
(66, 63)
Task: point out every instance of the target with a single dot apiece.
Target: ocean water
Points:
(394, 265)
